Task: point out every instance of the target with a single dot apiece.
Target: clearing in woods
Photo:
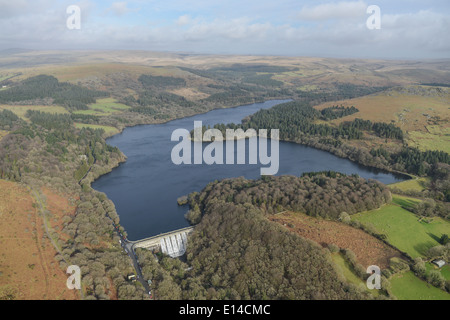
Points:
(347, 272)
(104, 107)
(368, 249)
(28, 269)
(20, 111)
(109, 131)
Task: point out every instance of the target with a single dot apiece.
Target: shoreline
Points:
(94, 176)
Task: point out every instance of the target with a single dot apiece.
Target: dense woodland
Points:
(50, 152)
(160, 81)
(324, 194)
(47, 89)
(295, 119)
(236, 253)
(297, 122)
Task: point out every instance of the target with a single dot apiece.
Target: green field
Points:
(403, 229)
(20, 111)
(430, 141)
(7, 76)
(109, 131)
(415, 184)
(3, 133)
(347, 272)
(405, 202)
(445, 270)
(407, 286)
(104, 107)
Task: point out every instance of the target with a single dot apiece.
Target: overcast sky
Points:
(409, 29)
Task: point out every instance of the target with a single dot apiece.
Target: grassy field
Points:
(7, 76)
(417, 184)
(346, 271)
(405, 202)
(104, 107)
(109, 131)
(430, 141)
(420, 112)
(407, 286)
(403, 229)
(21, 110)
(3, 133)
(445, 270)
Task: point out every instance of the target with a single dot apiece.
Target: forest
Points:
(236, 253)
(160, 81)
(295, 119)
(321, 194)
(296, 122)
(49, 151)
(48, 90)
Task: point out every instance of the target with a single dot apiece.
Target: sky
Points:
(408, 29)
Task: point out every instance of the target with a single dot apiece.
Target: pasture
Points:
(415, 184)
(20, 110)
(403, 229)
(345, 270)
(406, 286)
(104, 107)
(109, 131)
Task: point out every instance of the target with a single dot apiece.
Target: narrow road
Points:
(127, 246)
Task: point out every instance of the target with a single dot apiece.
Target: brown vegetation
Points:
(27, 266)
(368, 249)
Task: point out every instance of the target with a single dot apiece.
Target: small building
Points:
(131, 277)
(439, 263)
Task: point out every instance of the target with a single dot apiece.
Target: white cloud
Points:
(120, 8)
(329, 11)
(184, 20)
(422, 34)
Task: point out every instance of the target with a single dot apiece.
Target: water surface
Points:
(146, 187)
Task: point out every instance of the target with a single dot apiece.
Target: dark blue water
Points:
(146, 187)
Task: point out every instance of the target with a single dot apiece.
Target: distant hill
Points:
(12, 51)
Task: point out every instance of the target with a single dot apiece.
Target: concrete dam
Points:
(171, 243)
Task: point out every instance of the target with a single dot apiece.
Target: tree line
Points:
(236, 253)
(43, 87)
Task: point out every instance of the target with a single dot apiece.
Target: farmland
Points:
(3, 133)
(445, 270)
(21, 110)
(368, 249)
(104, 107)
(403, 229)
(346, 271)
(406, 286)
(415, 184)
(109, 131)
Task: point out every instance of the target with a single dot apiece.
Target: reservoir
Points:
(146, 187)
